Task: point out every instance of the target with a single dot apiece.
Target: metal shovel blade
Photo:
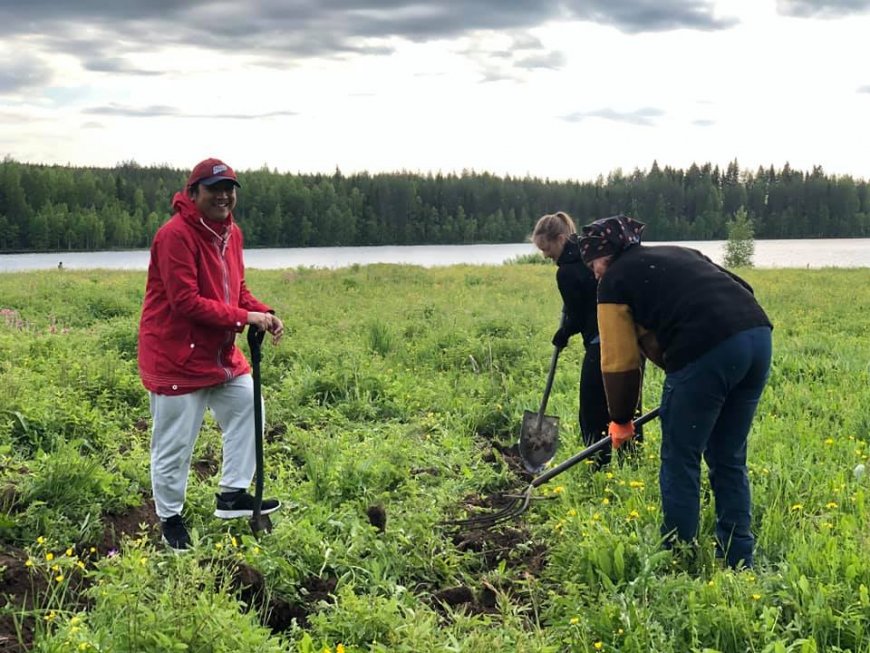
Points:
(538, 445)
(260, 524)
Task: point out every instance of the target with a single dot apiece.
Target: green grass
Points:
(390, 389)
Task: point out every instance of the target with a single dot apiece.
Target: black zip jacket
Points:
(578, 288)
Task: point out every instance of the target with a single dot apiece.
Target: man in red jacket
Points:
(195, 303)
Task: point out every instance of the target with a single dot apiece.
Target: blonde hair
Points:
(551, 226)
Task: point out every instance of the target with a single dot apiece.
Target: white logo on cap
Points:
(218, 169)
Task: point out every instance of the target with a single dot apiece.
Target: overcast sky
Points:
(565, 89)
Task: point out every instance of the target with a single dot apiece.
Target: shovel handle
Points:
(589, 451)
(550, 376)
(255, 339)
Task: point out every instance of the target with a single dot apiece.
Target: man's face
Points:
(216, 201)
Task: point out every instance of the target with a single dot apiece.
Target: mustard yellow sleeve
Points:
(620, 360)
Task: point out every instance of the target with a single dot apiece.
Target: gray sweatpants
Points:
(176, 424)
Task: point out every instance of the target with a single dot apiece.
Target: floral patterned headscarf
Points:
(608, 236)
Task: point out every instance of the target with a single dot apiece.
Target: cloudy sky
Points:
(566, 89)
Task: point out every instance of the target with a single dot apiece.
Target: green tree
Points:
(740, 246)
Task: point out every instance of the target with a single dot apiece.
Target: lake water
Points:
(840, 252)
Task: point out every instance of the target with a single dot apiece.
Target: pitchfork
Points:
(519, 503)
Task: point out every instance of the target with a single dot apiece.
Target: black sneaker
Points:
(241, 504)
(175, 534)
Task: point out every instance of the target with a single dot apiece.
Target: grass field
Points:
(391, 406)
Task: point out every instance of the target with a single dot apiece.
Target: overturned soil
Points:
(277, 612)
(18, 590)
(19, 585)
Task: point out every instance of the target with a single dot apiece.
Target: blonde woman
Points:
(556, 237)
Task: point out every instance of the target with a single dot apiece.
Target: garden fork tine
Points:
(520, 503)
(517, 506)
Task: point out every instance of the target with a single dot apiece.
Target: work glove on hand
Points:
(560, 338)
(620, 433)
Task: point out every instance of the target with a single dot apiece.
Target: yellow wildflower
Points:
(339, 648)
(69, 552)
(49, 556)
(40, 540)
(605, 501)
(637, 485)
(575, 621)
(598, 645)
(28, 563)
(829, 441)
(831, 505)
(756, 597)
(59, 578)
(797, 506)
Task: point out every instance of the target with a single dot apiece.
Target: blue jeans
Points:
(707, 409)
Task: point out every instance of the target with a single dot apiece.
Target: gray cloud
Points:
(281, 29)
(864, 89)
(821, 8)
(703, 122)
(115, 65)
(19, 73)
(162, 111)
(644, 117)
(525, 53)
(552, 60)
(650, 15)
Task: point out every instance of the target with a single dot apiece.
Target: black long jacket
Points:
(578, 288)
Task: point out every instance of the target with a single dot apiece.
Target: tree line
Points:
(52, 208)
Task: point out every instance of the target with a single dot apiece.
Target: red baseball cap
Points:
(211, 171)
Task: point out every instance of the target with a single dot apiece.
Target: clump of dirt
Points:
(141, 519)
(377, 517)
(275, 432)
(276, 612)
(466, 600)
(511, 457)
(205, 468)
(512, 545)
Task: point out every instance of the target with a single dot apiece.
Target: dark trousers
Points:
(594, 416)
(707, 410)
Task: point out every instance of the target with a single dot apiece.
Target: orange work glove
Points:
(620, 433)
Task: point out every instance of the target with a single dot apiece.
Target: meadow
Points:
(392, 405)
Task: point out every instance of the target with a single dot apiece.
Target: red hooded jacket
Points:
(195, 303)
